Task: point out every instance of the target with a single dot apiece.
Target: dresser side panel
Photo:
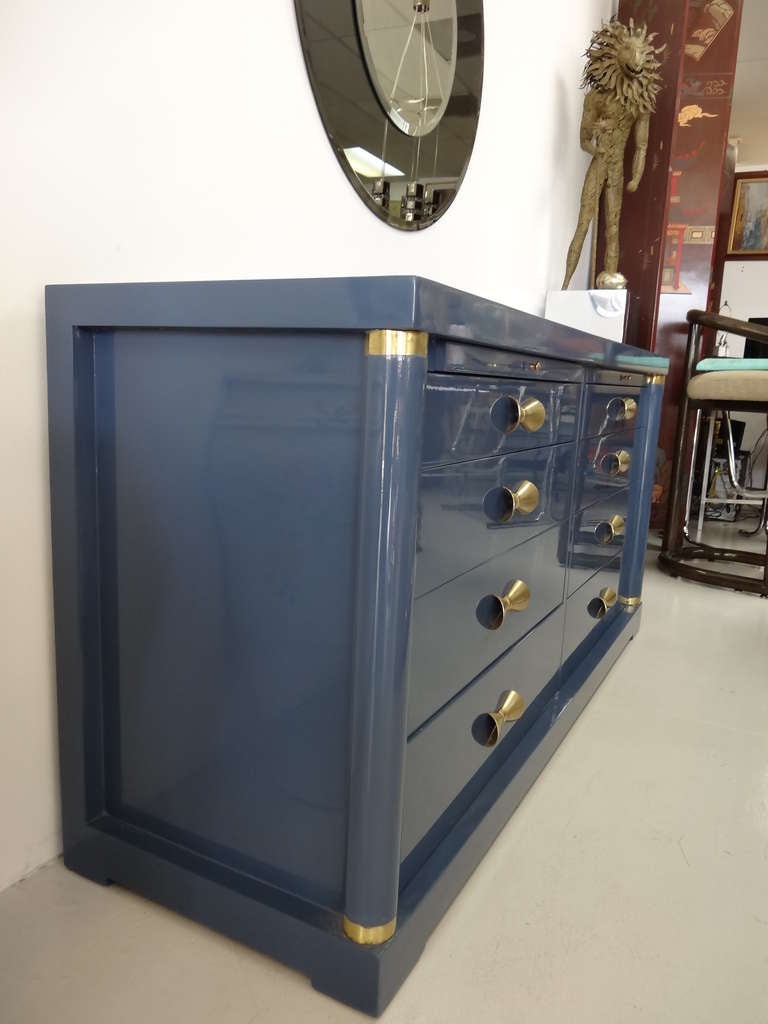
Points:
(227, 496)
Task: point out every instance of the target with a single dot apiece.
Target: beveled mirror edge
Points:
(370, 66)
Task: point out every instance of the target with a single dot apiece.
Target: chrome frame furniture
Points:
(337, 564)
(713, 394)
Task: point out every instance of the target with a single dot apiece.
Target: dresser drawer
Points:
(604, 466)
(591, 607)
(473, 417)
(472, 511)
(610, 409)
(597, 537)
(446, 754)
(461, 627)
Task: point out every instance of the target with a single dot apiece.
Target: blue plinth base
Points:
(364, 977)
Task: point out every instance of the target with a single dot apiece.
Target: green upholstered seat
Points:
(726, 363)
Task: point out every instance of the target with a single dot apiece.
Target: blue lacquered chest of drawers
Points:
(336, 565)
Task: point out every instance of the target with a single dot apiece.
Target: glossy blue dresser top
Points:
(344, 304)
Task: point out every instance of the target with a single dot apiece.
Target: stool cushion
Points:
(730, 386)
(726, 363)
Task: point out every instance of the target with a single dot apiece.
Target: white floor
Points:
(631, 884)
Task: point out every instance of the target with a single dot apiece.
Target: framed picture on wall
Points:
(749, 219)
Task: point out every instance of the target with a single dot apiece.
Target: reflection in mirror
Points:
(410, 50)
(397, 84)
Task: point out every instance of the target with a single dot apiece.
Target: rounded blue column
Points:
(395, 375)
(640, 493)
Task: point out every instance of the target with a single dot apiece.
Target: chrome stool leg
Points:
(762, 524)
(705, 472)
(749, 492)
(689, 497)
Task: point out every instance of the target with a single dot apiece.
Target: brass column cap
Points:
(391, 343)
(368, 936)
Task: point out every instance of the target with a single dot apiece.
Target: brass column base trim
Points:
(368, 936)
(630, 602)
(396, 343)
(657, 378)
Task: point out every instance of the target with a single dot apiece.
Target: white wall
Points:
(748, 120)
(179, 140)
(745, 289)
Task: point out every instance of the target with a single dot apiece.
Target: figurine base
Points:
(613, 281)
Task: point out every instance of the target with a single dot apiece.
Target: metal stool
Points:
(726, 385)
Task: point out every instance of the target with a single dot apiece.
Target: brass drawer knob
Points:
(502, 503)
(493, 609)
(508, 413)
(487, 730)
(622, 410)
(599, 606)
(607, 532)
(616, 463)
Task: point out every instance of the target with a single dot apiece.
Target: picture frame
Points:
(748, 236)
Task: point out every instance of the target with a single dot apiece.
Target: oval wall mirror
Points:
(397, 84)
